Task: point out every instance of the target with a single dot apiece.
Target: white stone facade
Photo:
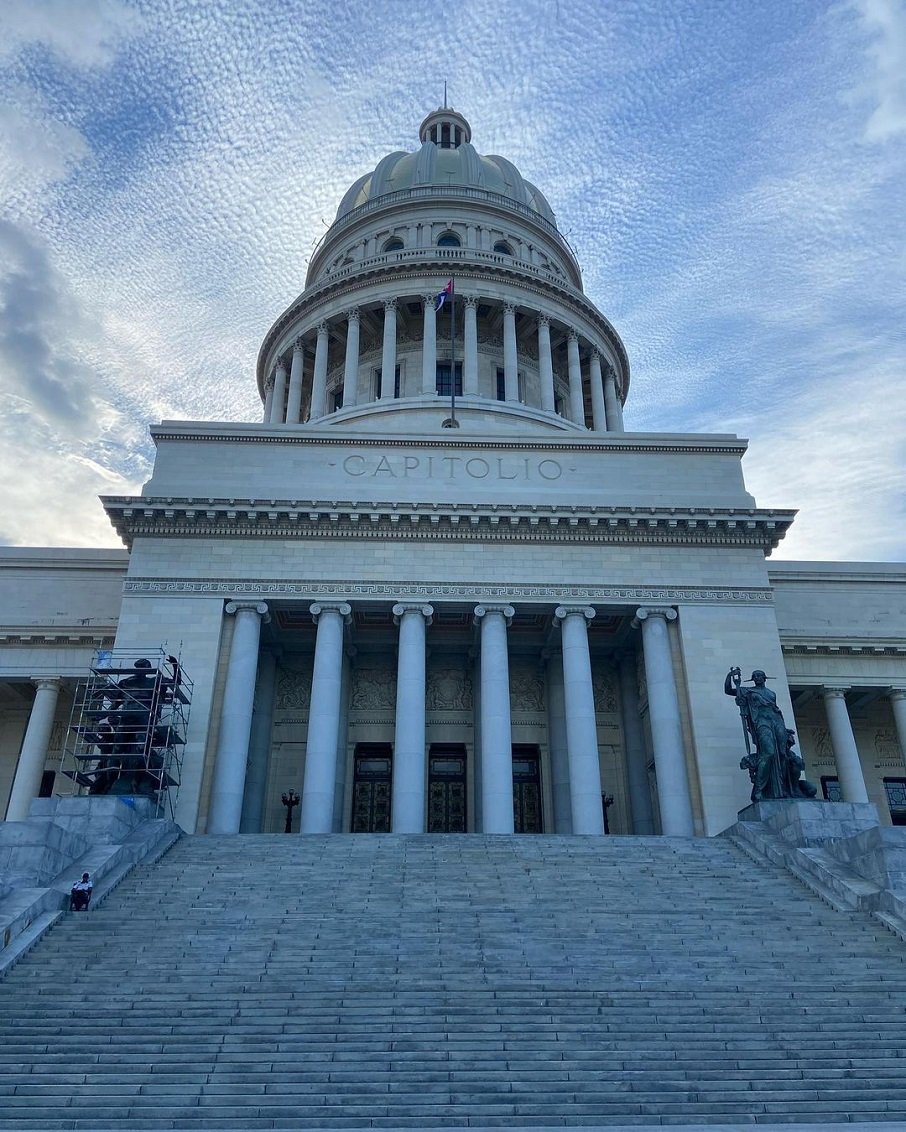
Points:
(485, 627)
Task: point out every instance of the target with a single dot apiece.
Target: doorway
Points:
(527, 814)
(447, 788)
(371, 780)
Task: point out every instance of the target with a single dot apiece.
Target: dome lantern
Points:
(446, 127)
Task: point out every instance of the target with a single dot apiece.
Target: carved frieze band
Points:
(481, 591)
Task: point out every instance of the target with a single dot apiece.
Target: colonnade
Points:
(574, 746)
(283, 402)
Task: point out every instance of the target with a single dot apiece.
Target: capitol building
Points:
(441, 584)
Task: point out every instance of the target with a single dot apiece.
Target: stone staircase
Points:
(441, 981)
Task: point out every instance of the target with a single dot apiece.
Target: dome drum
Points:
(551, 364)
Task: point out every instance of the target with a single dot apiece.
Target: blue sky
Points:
(731, 175)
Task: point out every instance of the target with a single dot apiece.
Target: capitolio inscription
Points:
(399, 466)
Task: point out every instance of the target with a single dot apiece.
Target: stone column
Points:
(496, 730)
(33, 755)
(277, 406)
(634, 749)
(470, 338)
(228, 786)
(268, 399)
(545, 363)
(576, 400)
(846, 753)
(598, 410)
(666, 727)
(897, 697)
(409, 769)
(429, 345)
(319, 784)
(581, 724)
(319, 380)
(612, 408)
(294, 401)
(557, 743)
(388, 354)
(351, 366)
(253, 799)
(510, 356)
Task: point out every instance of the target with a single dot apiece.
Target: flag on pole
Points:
(446, 293)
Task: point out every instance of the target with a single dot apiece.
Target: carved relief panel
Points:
(449, 689)
(373, 688)
(526, 689)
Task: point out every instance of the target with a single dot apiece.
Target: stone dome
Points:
(446, 157)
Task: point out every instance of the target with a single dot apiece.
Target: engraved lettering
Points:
(451, 462)
(410, 463)
(477, 461)
(500, 470)
(383, 465)
(553, 470)
(360, 465)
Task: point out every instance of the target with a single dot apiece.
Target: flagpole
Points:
(453, 351)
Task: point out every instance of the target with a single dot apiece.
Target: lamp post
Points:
(290, 799)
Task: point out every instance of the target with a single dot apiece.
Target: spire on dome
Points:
(445, 127)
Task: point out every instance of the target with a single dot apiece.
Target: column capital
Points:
(470, 302)
(281, 365)
(342, 607)
(508, 307)
(322, 328)
(646, 611)
(564, 611)
(299, 344)
(595, 354)
(239, 606)
(429, 301)
(269, 383)
(896, 693)
(607, 369)
(835, 691)
(403, 607)
(389, 304)
(353, 314)
(46, 681)
(481, 611)
(573, 335)
(544, 320)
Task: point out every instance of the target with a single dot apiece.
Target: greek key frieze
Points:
(213, 587)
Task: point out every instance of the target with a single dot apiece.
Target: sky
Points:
(732, 176)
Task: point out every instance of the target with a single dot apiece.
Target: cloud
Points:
(86, 33)
(884, 23)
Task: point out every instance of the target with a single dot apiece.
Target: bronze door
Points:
(527, 814)
(371, 788)
(447, 788)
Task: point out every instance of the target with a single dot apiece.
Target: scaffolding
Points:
(128, 726)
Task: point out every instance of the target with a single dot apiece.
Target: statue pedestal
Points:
(808, 823)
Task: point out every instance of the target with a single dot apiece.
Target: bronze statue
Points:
(775, 769)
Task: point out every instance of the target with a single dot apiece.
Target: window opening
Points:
(503, 247)
(449, 240)
(376, 384)
(442, 382)
(895, 793)
(393, 245)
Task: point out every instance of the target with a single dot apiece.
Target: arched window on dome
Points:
(449, 240)
(503, 247)
(395, 244)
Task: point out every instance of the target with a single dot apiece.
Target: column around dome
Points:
(576, 400)
(429, 345)
(319, 381)
(294, 401)
(470, 342)
(598, 410)
(545, 364)
(351, 366)
(388, 353)
(510, 355)
(277, 409)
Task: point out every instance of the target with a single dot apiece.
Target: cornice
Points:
(580, 441)
(37, 636)
(852, 646)
(135, 517)
(345, 284)
(439, 591)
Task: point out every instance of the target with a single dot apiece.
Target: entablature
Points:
(170, 517)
